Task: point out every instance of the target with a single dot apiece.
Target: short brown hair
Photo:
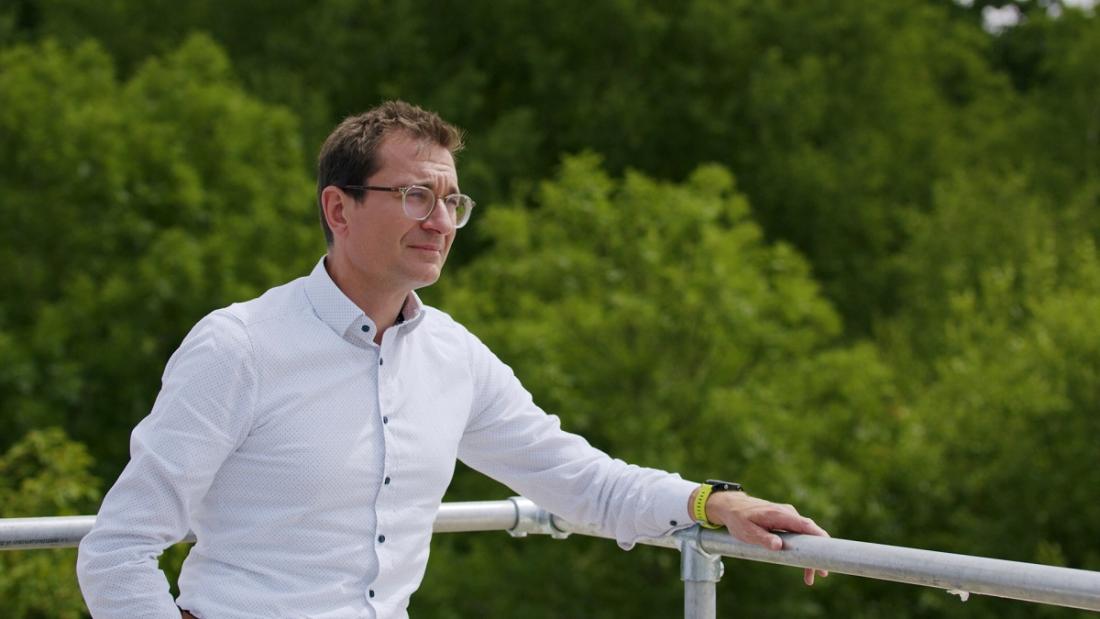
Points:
(350, 153)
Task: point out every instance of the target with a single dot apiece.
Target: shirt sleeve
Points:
(513, 441)
(203, 413)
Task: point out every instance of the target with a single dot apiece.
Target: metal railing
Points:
(702, 551)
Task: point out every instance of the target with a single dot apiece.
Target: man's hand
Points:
(752, 520)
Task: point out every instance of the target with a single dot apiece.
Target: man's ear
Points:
(335, 203)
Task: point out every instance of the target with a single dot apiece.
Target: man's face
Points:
(384, 246)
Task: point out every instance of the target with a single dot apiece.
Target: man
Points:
(307, 436)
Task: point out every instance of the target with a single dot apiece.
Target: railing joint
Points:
(531, 518)
(696, 564)
(700, 571)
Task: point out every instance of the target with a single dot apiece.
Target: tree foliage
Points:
(132, 207)
(837, 118)
(999, 344)
(658, 322)
(898, 336)
(44, 474)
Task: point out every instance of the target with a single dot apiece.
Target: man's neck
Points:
(381, 304)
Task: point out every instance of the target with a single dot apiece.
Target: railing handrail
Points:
(960, 574)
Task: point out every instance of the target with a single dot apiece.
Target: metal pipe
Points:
(56, 532)
(459, 517)
(672, 541)
(476, 516)
(1009, 579)
(700, 599)
(531, 518)
(700, 572)
(960, 574)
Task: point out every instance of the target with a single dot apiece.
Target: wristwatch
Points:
(717, 485)
(699, 506)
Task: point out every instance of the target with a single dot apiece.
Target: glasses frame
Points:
(404, 191)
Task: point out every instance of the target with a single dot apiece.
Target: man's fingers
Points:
(809, 573)
(780, 518)
(811, 528)
(753, 521)
(753, 533)
(766, 538)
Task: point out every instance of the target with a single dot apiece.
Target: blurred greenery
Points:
(844, 252)
(43, 474)
(133, 206)
(651, 315)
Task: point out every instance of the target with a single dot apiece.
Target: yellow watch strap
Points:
(699, 507)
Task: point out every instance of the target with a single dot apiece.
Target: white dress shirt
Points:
(310, 463)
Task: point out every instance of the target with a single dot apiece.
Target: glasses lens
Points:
(460, 206)
(419, 202)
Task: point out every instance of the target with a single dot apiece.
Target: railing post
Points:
(700, 572)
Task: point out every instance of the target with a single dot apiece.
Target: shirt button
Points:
(386, 481)
(380, 360)
(371, 593)
(672, 522)
(385, 419)
(365, 328)
(381, 539)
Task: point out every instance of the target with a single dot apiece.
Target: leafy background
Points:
(843, 252)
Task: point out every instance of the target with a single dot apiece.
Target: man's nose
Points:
(440, 218)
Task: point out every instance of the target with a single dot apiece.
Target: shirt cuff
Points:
(669, 510)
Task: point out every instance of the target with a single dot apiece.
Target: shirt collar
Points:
(412, 312)
(340, 313)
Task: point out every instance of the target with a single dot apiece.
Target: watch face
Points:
(717, 485)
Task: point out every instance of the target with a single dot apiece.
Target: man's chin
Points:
(427, 279)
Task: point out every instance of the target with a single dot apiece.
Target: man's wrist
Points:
(699, 500)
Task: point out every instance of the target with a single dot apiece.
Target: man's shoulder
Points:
(439, 318)
(442, 323)
(281, 302)
(444, 327)
(229, 327)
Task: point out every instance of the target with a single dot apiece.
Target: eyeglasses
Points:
(419, 202)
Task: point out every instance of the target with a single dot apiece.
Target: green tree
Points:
(1009, 424)
(658, 323)
(131, 209)
(941, 183)
(998, 347)
(837, 118)
(45, 473)
(1062, 129)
